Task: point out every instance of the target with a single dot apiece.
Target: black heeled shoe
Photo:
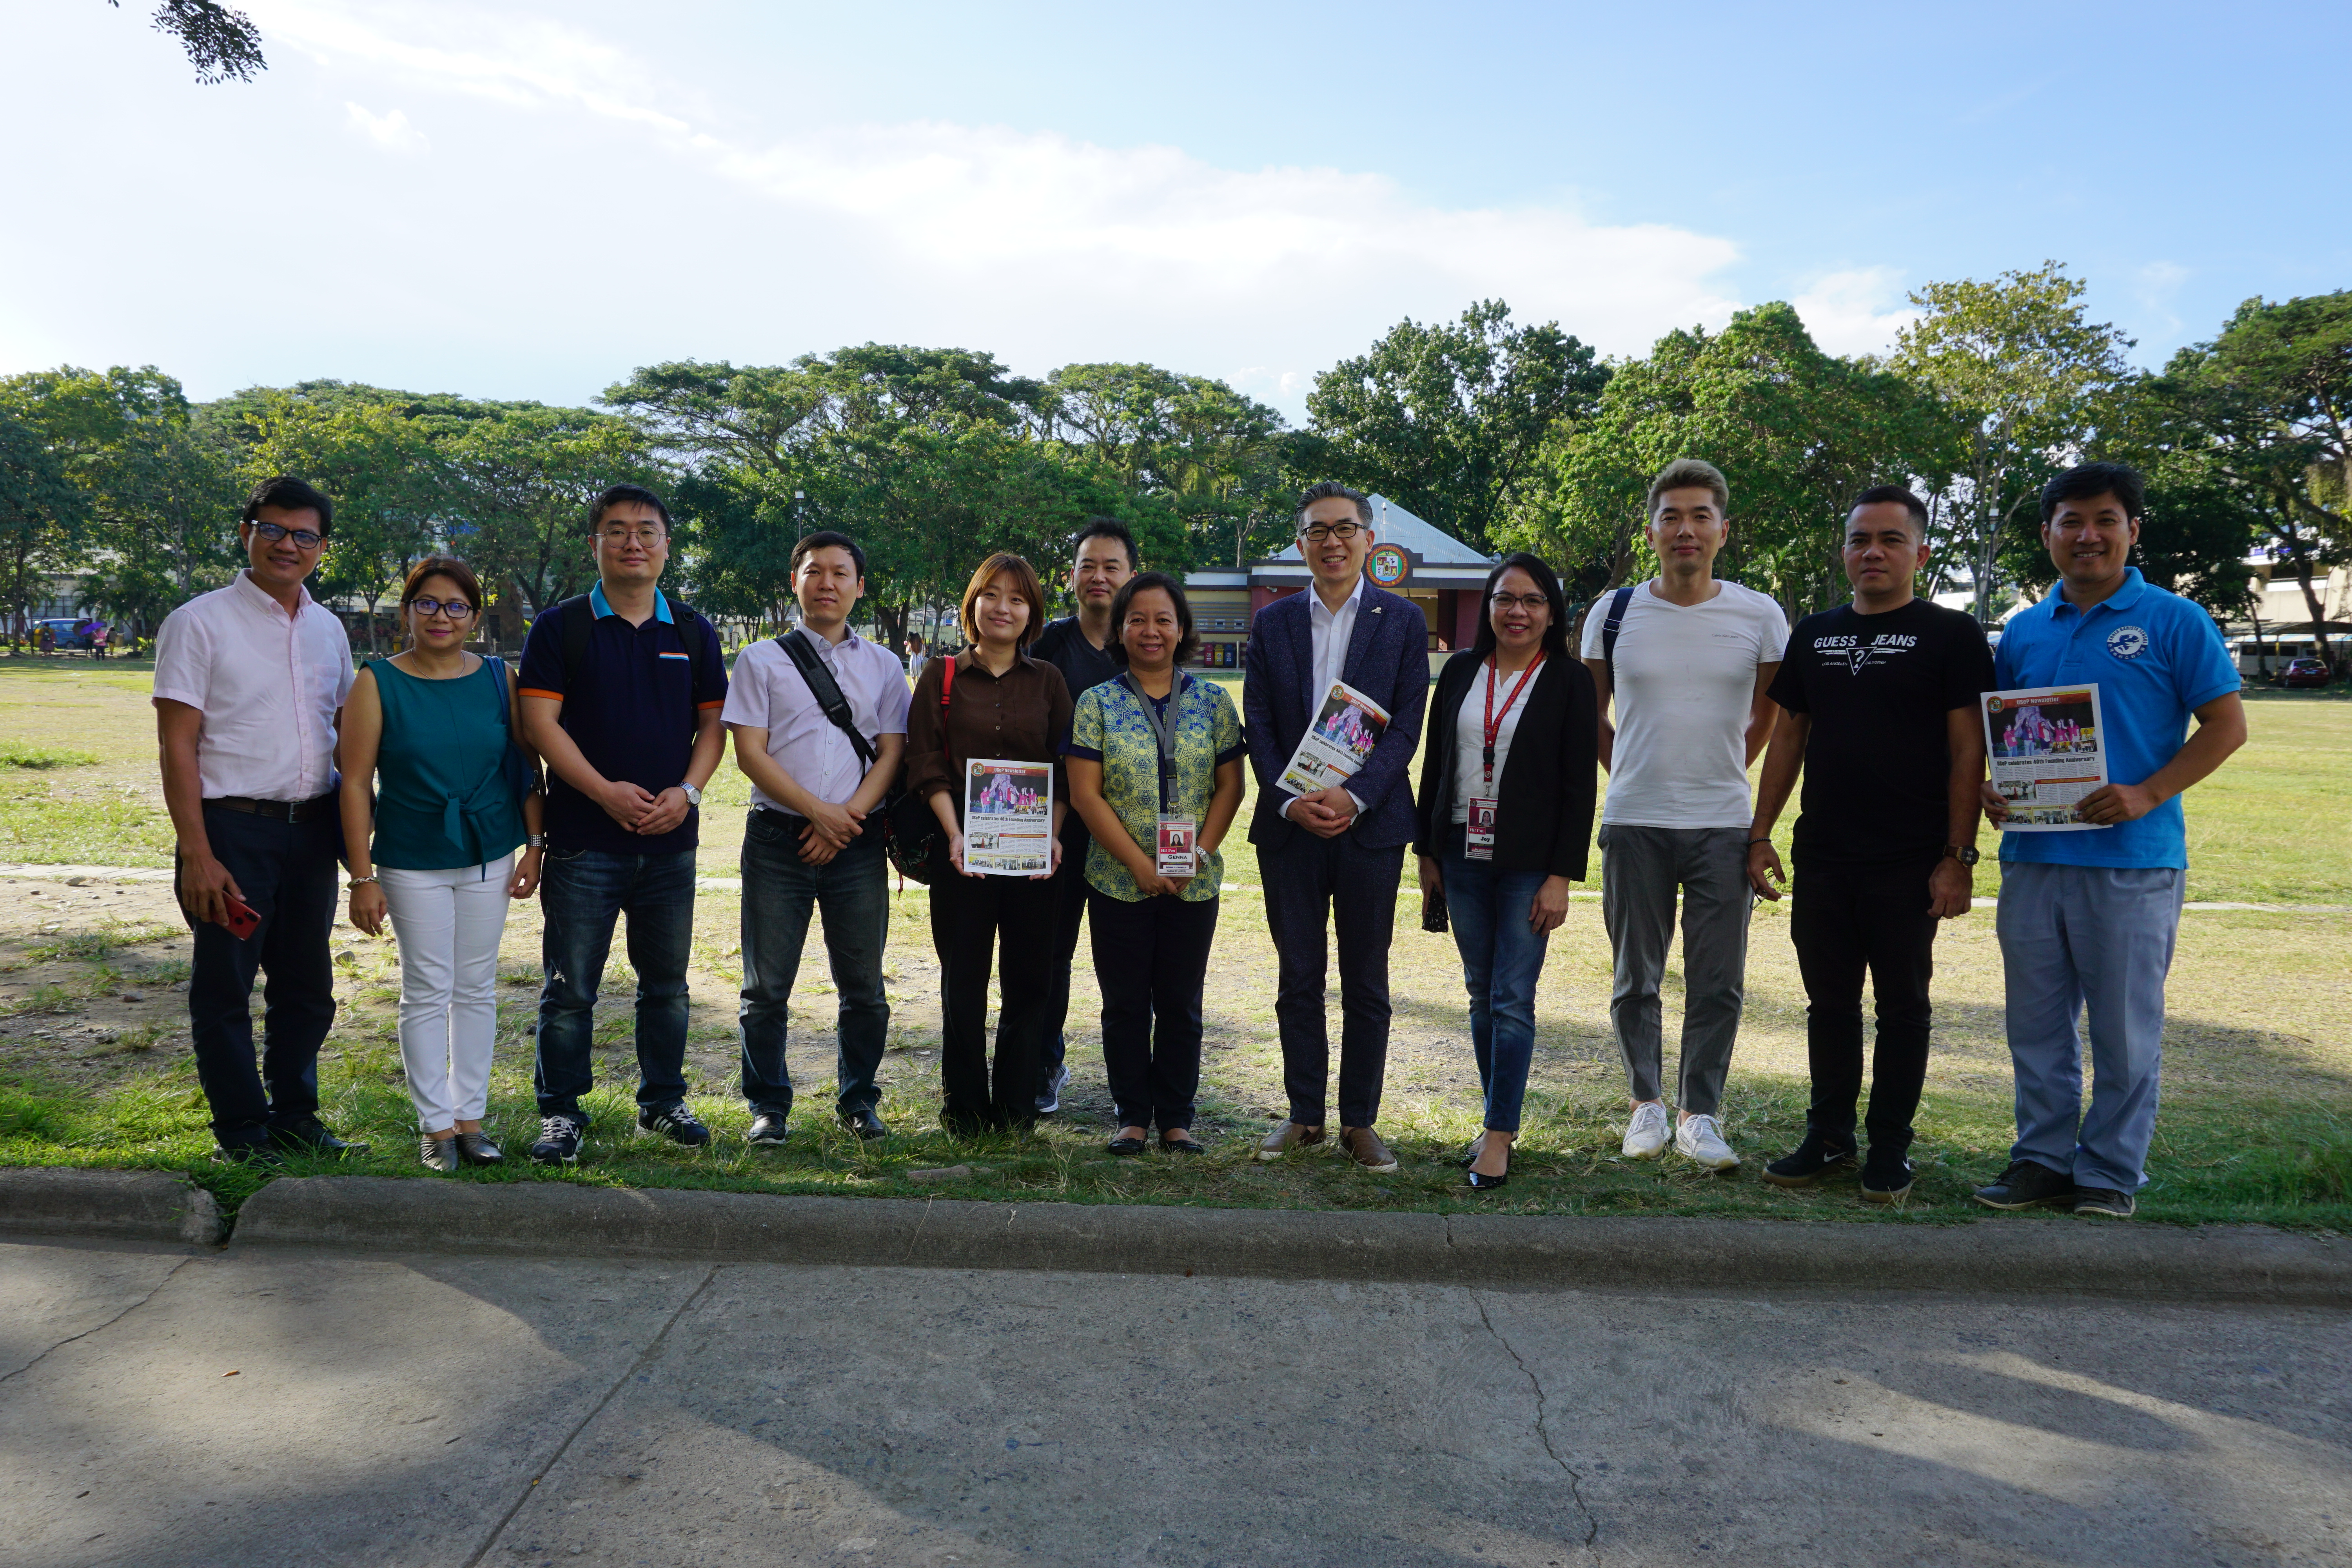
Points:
(1470, 1152)
(1482, 1183)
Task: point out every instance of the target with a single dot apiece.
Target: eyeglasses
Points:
(302, 537)
(1315, 534)
(1530, 603)
(649, 534)
(456, 609)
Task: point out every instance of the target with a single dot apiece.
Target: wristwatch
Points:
(534, 841)
(1965, 854)
(693, 795)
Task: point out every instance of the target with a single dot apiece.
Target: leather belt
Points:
(277, 810)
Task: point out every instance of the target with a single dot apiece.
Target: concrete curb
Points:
(2220, 1263)
(123, 1205)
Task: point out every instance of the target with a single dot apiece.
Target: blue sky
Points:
(526, 200)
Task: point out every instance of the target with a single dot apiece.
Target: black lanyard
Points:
(1159, 727)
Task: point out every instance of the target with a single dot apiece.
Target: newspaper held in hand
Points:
(1008, 817)
(1334, 748)
(2047, 751)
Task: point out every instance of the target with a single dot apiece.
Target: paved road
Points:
(445, 1411)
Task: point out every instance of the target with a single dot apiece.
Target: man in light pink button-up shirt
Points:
(249, 682)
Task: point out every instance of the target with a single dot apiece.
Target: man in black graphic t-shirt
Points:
(1878, 703)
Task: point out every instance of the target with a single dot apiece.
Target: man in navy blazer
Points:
(1337, 850)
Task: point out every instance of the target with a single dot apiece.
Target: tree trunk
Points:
(2311, 602)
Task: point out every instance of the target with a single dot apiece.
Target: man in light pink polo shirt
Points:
(250, 686)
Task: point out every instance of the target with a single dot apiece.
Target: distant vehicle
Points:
(2303, 672)
(68, 629)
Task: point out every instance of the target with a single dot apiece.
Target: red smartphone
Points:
(239, 916)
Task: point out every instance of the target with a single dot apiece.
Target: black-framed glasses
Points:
(1315, 534)
(456, 609)
(1530, 603)
(649, 534)
(302, 537)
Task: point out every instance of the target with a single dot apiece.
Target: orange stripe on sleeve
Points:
(535, 691)
(700, 706)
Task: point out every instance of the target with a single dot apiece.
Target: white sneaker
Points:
(1699, 1139)
(1645, 1135)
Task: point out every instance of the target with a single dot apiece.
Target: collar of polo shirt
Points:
(602, 606)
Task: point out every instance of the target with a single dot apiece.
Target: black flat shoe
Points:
(865, 1123)
(1482, 1183)
(1124, 1146)
(438, 1154)
(475, 1149)
(1183, 1146)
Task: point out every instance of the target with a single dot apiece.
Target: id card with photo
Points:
(1176, 854)
(1478, 829)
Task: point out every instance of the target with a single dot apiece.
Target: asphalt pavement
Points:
(181, 1405)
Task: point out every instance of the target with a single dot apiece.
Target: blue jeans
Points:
(780, 890)
(1502, 959)
(287, 872)
(2096, 938)
(1502, 965)
(583, 893)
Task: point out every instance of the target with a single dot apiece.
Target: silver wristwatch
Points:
(693, 795)
(534, 841)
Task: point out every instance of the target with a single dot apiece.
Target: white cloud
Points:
(390, 130)
(1855, 312)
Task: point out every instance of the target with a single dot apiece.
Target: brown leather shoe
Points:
(1364, 1147)
(1288, 1136)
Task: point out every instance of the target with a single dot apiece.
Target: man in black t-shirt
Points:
(1878, 703)
(1103, 558)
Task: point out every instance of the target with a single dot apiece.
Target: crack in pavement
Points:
(1575, 1481)
(108, 1324)
(651, 1348)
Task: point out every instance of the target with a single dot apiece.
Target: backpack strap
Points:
(579, 622)
(1609, 627)
(827, 692)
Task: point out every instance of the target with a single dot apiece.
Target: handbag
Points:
(898, 835)
(915, 830)
(519, 772)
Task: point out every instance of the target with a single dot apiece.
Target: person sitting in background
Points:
(1505, 817)
(424, 740)
(1155, 764)
(249, 682)
(1006, 706)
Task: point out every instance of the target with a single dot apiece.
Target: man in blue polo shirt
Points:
(2088, 918)
(621, 693)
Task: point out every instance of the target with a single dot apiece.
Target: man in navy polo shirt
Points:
(626, 710)
(2088, 918)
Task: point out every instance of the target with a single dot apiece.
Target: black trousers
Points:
(1070, 889)
(1151, 959)
(1337, 885)
(1848, 919)
(287, 872)
(977, 922)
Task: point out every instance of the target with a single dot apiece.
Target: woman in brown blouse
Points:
(1002, 704)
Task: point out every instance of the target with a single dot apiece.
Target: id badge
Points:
(1176, 857)
(1478, 829)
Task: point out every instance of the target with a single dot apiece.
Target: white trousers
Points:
(448, 924)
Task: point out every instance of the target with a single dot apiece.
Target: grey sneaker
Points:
(1051, 1100)
(2105, 1201)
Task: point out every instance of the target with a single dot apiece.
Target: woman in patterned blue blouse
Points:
(1155, 768)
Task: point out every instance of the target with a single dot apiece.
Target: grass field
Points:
(2257, 1124)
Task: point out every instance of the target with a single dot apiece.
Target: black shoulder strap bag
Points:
(909, 850)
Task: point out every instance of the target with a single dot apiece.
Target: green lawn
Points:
(2258, 1070)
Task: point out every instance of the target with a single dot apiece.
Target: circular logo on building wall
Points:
(1387, 565)
(2127, 642)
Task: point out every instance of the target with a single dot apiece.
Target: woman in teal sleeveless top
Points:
(423, 751)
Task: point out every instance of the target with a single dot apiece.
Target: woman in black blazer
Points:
(1508, 782)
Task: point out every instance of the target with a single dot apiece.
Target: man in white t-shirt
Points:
(1688, 660)
(814, 840)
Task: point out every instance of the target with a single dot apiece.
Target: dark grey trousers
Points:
(1641, 869)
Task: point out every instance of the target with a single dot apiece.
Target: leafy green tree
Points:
(1448, 420)
(520, 477)
(43, 513)
(1187, 448)
(2019, 365)
(222, 44)
(1797, 432)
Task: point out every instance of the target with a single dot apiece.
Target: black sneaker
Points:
(2105, 1201)
(559, 1138)
(674, 1122)
(1885, 1179)
(308, 1135)
(1050, 1100)
(768, 1130)
(1818, 1156)
(865, 1124)
(2027, 1184)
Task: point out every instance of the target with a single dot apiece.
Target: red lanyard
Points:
(1493, 720)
